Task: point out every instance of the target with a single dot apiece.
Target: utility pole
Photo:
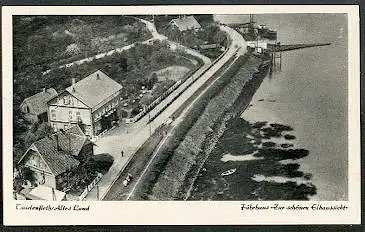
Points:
(97, 192)
(149, 121)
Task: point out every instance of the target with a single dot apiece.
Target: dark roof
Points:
(38, 103)
(71, 140)
(60, 160)
(186, 23)
(94, 88)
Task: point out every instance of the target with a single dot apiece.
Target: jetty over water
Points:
(289, 47)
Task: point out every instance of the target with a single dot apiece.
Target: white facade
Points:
(42, 173)
(66, 110)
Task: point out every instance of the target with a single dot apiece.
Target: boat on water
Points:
(228, 172)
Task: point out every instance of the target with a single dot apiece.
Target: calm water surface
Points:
(310, 95)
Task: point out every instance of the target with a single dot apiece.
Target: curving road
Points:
(173, 45)
(130, 137)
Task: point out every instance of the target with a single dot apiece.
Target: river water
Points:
(309, 94)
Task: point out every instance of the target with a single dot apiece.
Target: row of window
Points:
(70, 116)
(105, 109)
(70, 112)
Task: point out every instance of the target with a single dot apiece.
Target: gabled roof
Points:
(186, 23)
(61, 159)
(71, 140)
(38, 102)
(94, 88)
(58, 161)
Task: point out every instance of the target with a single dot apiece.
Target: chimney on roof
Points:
(97, 76)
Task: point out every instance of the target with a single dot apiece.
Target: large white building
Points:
(92, 102)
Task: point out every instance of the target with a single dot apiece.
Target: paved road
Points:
(131, 137)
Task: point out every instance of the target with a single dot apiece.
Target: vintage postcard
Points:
(181, 115)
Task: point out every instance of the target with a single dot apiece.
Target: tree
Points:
(29, 139)
(220, 37)
(152, 80)
(37, 132)
(99, 163)
(83, 38)
(123, 63)
(28, 174)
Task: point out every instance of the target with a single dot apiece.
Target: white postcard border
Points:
(162, 212)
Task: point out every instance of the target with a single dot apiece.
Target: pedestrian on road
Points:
(122, 153)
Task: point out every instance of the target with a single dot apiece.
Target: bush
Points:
(289, 137)
(37, 132)
(101, 162)
(28, 174)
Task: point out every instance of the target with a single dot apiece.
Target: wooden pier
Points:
(289, 47)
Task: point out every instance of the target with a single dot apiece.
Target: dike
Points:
(183, 166)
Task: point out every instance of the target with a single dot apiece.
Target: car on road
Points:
(127, 180)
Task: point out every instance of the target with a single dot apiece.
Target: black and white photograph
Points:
(185, 107)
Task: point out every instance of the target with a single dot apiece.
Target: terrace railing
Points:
(90, 187)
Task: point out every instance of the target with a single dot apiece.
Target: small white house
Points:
(185, 23)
